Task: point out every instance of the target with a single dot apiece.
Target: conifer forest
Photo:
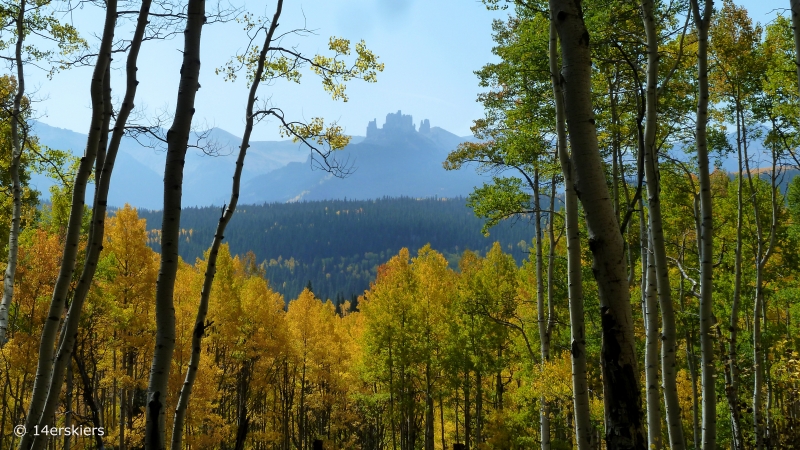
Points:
(628, 277)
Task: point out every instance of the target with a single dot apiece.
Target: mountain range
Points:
(396, 159)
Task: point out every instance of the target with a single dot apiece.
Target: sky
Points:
(430, 49)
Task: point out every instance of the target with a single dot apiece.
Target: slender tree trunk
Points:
(709, 393)
(653, 397)
(690, 361)
(211, 267)
(429, 418)
(104, 168)
(68, 414)
(795, 6)
(441, 418)
(391, 399)
(544, 340)
(622, 393)
(478, 408)
(731, 367)
(89, 398)
(467, 412)
(177, 140)
(46, 361)
(17, 146)
(763, 253)
(122, 407)
(580, 384)
(659, 253)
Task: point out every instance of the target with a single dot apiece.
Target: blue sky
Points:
(430, 48)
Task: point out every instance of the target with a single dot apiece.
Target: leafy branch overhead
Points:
(287, 62)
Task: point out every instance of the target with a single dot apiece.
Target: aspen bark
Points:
(544, 344)
(177, 141)
(651, 363)
(202, 310)
(658, 248)
(13, 169)
(46, 361)
(69, 328)
(731, 368)
(764, 249)
(708, 378)
(795, 7)
(622, 394)
(104, 169)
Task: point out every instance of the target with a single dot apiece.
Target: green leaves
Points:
(499, 200)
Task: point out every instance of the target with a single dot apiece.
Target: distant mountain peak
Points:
(396, 125)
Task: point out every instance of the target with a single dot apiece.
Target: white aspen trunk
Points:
(69, 412)
(429, 436)
(653, 397)
(177, 141)
(692, 366)
(622, 393)
(46, 360)
(763, 253)
(795, 7)
(544, 344)
(580, 384)
(69, 329)
(211, 268)
(16, 188)
(551, 259)
(709, 393)
(658, 249)
(731, 368)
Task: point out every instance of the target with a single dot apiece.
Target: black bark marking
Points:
(576, 351)
(155, 409)
(584, 39)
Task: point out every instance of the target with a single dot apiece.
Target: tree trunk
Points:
(544, 340)
(68, 414)
(467, 412)
(89, 398)
(429, 436)
(795, 6)
(622, 394)
(104, 168)
(177, 140)
(46, 362)
(13, 170)
(659, 253)
(709, 393)
(211, 267)
(763, 253)
(731, 368)
(580, 385)
(651, 363)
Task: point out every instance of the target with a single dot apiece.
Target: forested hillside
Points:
(338, 245)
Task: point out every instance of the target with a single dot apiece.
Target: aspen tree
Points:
(622, 394)
(795, 8)
(200, 321)
(580, 386)
(106, 157)
(26, 18)
(177, 140)
(16, 188)
(702, 24)
(46, 360)
(264, 68)
(669, 348)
